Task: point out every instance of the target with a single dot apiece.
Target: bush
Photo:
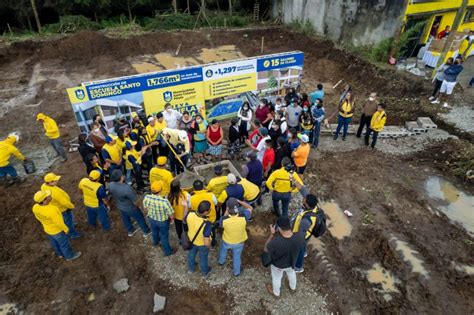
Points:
(305, 27)
(71, 24)
(381, 51)
(170, 22)
(230, 21)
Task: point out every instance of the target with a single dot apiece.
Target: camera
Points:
(290, 168)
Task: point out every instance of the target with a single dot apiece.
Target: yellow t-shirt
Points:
(346, 107)
(280, 181)
(157, 174)
(60, 198)
(217, 185)
(251, 190)
(203, 195)
(51, 129)
(234, 229)
(51, 219)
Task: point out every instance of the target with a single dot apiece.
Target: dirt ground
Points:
(427, 261)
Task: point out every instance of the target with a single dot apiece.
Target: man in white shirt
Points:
(261, 144)
(171, 116)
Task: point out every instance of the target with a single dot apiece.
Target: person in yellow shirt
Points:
(111, 153)
(300, 154)
(62, 201)
(7, 149)
(199, 234)
(200, 195)
(218, 183)
(95, 200)
(51, 131)
(161, 173)
(346, 111)
(282, 183)
(234, 223)
(180, 201)
(53, 225)
(251, 191)
(376, 125)
(160, 125)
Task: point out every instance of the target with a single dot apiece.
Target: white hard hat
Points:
(15, 136)
(182, 135)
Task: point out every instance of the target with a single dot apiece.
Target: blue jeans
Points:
(160, 233)
(136, 214)
(68, 218)
(128, 176)
(316, 133)
(8, 170)
(58, 147)
(203, 259)
(300, 259)
(61, 246)
(285, 202)
(343, 122)
(101, 213)
(237, 250)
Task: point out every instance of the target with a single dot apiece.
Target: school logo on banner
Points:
(80, 94)
(209, 73)
(168, 96)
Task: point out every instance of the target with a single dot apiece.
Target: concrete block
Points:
(159, 303)
(121, 285)
(426, 122)
(414, 127)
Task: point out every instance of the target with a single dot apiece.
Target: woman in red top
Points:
(263, 113)
(214, 136)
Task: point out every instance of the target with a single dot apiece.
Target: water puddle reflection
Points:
(337, 222)
(454, 203)
(383, 277)
(410, 256)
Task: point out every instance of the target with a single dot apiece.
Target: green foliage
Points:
(406, 36)
(71, 24)
(170, 22)
(381, 51)
(305, 27)
(230, 21)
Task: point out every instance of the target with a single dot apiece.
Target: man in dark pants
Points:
(376, 124)
(370, 107)
(127, 202)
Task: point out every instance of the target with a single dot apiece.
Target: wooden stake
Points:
(261, 47)
(10, 29)
(225, 23)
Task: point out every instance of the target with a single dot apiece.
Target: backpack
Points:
(320, 228)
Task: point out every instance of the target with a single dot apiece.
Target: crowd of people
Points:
(144, 155)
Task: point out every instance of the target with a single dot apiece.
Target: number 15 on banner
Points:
(271, 62)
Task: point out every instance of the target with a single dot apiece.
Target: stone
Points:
(159, 303)
(91, 297)
(121, 285)
(426, 122)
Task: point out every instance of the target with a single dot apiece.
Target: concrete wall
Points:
(359, 22)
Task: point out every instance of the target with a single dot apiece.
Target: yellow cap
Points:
(156, 186)
(40, 116)
(41, 195)
(161, 160)
(51, 177)
(94, 175)
(133, 114)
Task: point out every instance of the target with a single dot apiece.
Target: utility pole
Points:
(449, 41)
(35, 12)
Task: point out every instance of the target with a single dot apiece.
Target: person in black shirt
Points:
(283, 246)
(282, 150)
(85, 148)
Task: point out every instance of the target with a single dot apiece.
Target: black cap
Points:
(218, 169)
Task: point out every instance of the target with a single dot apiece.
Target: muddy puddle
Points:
(8, 308)
(410, 256)
(382, 277)
(165, 61)
(337, 222)
(454, 203)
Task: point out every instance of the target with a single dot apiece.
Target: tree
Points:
(129, 5)
(230, 7)
(175, 6)
(35, 12)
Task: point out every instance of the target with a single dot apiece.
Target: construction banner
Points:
(218, 90)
